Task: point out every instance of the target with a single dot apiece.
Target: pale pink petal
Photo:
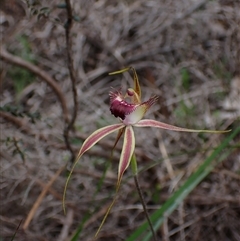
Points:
(150, 102)
(137, 114)
(97, 136)
(157, 124)
(87, 144)
(127, 152)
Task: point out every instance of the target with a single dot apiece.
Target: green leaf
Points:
(172, 203)
(62, 5)
(185, 79)
(76, 18)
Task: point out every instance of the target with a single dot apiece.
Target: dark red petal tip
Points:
(118, 106)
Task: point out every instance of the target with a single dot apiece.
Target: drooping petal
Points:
(157, 124)
(88, 143)
(120, 132)
(137, 114)
(97, 136)
(127, 152)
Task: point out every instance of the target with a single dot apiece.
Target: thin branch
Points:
(24, 126)
(69, 125)
(52, 83)
(40, 73)
(13, 237)
(15, 120)
(139, 190)
(66, 225)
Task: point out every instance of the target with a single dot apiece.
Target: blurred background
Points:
(187, 52)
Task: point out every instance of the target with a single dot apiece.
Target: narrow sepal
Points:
(137, 114)
(107, 213)
(88, 143)
(119, 71)
(120, 132)
(147, 104)
(97, 136)
(127, 152)
(158, 124)
(137, 87)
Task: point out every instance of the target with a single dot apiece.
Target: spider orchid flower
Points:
(130, 110)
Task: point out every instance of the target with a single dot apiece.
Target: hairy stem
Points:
(134, 169)
(144, 207)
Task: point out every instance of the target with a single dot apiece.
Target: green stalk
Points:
(135, 173)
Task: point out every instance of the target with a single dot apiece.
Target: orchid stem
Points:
(135, 173)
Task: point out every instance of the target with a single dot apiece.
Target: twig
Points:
(13, 237)
(66, 225)
(50, 81)
(18, 149)
(167, 161)
(25, 128)
(15, 120)
(69, 125)
(40, 198)
(39, 72)
(165, 231)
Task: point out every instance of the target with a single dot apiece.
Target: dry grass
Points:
(187, 52)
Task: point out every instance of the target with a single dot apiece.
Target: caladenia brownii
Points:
(130, 110)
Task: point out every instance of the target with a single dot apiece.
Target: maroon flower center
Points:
(118, 106)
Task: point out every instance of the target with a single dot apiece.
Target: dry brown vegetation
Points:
(187, 52)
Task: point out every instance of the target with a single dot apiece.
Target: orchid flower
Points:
(130, 110)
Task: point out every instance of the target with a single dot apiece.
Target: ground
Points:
(186, 51)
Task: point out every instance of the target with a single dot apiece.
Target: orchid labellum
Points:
(130, 110)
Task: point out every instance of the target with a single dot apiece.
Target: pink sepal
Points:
(127, 152)
(97, 136)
